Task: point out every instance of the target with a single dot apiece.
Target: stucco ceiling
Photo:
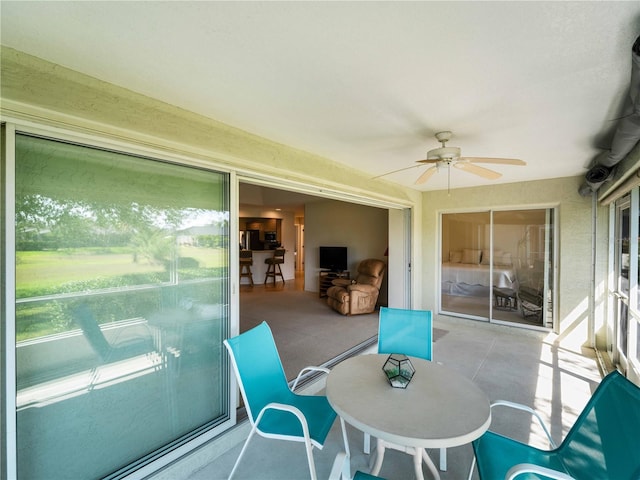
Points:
(366, 84)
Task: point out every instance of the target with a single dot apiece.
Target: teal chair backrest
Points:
(259, 368)
(405, 331)
(605, 439)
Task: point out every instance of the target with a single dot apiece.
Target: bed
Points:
(459, 278)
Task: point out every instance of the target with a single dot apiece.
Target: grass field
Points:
(42, 270)
(44, 273)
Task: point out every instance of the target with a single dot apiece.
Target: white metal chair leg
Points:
(244, 447)
(443, 459)
(473, 465)
(380, 448)
(417, 463)
(344, 437)
(430, 464)
(367, 444)
(312, 465)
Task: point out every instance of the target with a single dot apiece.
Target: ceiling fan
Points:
(450, 156)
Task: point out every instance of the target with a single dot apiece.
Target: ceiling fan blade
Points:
(427, 160)
(427, 174)
(475, 169)
(500, 161)
(395, 171)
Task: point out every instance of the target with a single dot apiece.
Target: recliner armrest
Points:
(363, 287)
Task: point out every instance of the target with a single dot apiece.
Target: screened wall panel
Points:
(122, 303)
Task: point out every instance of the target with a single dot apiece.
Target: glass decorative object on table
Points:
(399, 370)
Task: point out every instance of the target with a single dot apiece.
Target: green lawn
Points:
(42, 270)
(81, 270)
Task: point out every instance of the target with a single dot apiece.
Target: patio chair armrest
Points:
(536, 469)
(307, 369)
(525, 408)
(340, 469)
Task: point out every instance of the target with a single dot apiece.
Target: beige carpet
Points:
(306, 330)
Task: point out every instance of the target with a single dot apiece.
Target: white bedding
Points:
(476, 274)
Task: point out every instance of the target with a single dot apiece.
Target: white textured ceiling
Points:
(367, 84)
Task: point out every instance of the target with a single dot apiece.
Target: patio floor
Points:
(507, 363)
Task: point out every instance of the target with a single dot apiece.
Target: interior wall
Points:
(362, 229)
(574, 258)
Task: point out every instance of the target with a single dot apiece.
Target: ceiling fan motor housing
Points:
(444, 153)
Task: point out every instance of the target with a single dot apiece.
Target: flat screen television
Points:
(333, 258)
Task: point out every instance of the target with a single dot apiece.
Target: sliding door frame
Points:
(624, 330)
(549, 302)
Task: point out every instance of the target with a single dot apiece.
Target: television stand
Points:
(325, 277)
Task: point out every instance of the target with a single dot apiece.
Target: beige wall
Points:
(363, 230)
(574, 240)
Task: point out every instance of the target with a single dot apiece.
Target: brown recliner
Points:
(361, 296)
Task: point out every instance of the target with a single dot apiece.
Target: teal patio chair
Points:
(274, 410)
(603, 443)
(409, 332)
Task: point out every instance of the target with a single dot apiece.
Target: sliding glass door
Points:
(121, 305)
(465, 278)
(626, 300)
(622, 262)
(498, 265)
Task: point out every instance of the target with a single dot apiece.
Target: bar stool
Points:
(273, 268)
(246, 260)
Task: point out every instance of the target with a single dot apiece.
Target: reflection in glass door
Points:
(621, 292)
(121, 306)
(465, 278)
(498, 266)
(633, 344)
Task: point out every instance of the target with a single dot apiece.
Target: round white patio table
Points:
(439, 408)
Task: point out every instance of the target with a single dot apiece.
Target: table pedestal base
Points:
(419, 455)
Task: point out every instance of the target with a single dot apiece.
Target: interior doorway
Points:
(294, 308)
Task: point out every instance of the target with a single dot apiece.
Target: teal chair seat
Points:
(604, 442)
(274, 409)
(508, 453)
(282, 423)
(365, 476)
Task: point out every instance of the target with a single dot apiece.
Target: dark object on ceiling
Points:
(626, 136)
